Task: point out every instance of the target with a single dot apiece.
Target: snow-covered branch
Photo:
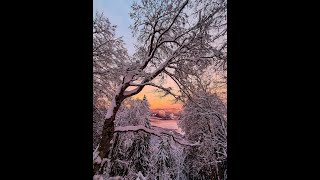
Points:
(152, 49)
(155, 133)
(175, 18)
(167, 90)
(151, 77)
(133, 92)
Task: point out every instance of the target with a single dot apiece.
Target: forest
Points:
(181, 40)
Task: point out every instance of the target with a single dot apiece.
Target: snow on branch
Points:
(175, 18)
(152, 50)
(154, 132)
(132, 92)
(167, 90)
(152, 76)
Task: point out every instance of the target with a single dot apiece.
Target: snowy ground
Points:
(167, 124)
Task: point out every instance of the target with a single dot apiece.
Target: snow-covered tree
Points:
(177, 39)
(147, 114)
(204, 119)
(97, 126)
(163, 168)
(167, 160)
(108, 51)
(130, 151)
(139, 153)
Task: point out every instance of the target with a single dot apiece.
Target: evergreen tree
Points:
(165, 162)
(146, 110)
(139, 154)
(204, 120)
(130, 151)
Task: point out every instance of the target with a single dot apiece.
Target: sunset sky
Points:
(155, 99)
(118, 13)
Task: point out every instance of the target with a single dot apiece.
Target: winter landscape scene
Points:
(159, 90)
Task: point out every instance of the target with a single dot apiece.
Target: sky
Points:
(155, 99)
(117, 11)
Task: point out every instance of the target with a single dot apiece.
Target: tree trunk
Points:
(108, 126)
(107, 135)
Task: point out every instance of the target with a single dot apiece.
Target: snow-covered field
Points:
(167, 124)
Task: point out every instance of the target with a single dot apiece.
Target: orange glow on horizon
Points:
(155, 99)
(157, 102)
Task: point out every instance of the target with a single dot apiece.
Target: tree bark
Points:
(107, 135)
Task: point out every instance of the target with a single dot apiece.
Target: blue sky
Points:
(118, 13)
